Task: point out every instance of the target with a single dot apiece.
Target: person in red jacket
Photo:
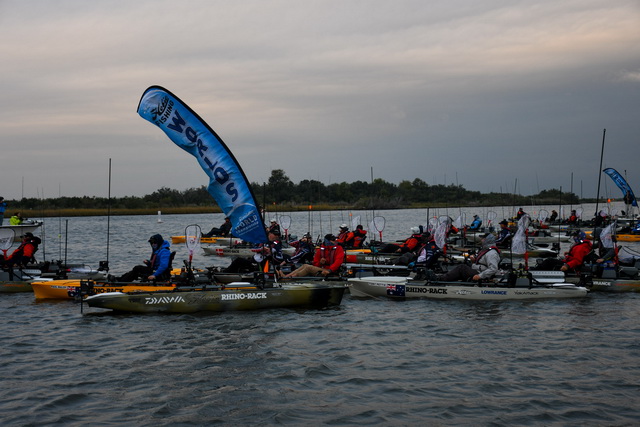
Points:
(573, 259)
(23, 255)
(327, 260)
(359, 236)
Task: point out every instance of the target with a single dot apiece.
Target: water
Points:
(372, 361)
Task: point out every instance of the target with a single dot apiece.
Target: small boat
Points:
(537, 238)
(27, 226)
(406, 288)
(214, 239)
(235, 296)
(620, 279)
(239, 250)
(22, 279)
(627, 237)
(70, 289)
(367, 256)
(533, 251)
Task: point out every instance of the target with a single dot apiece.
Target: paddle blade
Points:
(7, 235)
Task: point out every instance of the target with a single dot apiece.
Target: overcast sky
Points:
(478, 93)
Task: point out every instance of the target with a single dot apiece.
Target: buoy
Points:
(159, 217)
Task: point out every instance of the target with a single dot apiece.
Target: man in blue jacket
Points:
(156, 268)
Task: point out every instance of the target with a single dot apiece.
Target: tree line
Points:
(281, 191)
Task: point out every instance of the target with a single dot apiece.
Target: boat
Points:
(625, 237)
(239, 250)
(610, 279)
(533, 251)
(22, 279)
(70, 289)
(538, 238)
(370, 256)
(406, 288)
(27, 226)
(235, 296)
(213, 240)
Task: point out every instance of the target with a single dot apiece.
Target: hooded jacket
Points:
(488, 259)
(160, 260)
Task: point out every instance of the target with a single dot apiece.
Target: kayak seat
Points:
(628, 272)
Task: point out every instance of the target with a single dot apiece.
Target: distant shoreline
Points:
(185, 210)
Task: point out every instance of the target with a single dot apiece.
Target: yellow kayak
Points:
(69, 289)
(621, 237)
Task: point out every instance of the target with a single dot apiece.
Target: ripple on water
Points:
(370, 361)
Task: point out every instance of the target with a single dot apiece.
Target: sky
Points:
(496, 95)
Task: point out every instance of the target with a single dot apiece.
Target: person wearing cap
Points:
(476, 223)
(328, 259)
(485, 264)
(3, 207)
(24, 254)
(343, 235)
(504, 235)
(158, 267)
(303, 254)
(409, 245)
(274, 226)
(223, 231)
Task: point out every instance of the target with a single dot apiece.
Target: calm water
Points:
(366, 362)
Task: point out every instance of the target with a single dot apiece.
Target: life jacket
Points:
(26, 251)
(342, 237)
(334, 255)
(483, 252)
(411, 243)
(359, 236)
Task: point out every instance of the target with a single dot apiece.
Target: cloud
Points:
(485, 92)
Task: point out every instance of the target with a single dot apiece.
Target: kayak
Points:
(236, 296)
(241, 251)
(22, 278)
(213, 239)
(405, 288)
(70, 289)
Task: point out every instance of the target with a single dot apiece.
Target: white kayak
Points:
(405, 288)
(241, 251)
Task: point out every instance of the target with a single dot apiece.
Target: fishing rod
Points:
(595, 220)
(106, 266)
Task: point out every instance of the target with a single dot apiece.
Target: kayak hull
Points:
(70, 289)
(234, 297)
(402, 288)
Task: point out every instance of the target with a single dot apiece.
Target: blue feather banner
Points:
(228, 184)
(622, 184)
